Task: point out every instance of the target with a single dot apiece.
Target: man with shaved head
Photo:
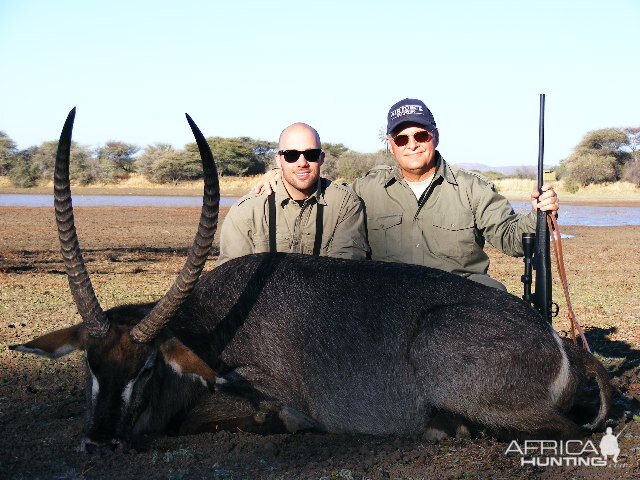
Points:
(306, 214)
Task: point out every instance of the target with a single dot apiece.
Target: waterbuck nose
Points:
(94, 448)
(99, 448)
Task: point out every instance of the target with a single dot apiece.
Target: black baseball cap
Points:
(410, 110)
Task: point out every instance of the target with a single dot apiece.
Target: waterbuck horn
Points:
(95, 320)
(155, 321)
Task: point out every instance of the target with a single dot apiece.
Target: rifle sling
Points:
(556, 242)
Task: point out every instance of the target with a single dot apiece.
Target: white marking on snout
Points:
(95, 387)
(58, 352)
(128, 390)
(561, 380)
(176, 368)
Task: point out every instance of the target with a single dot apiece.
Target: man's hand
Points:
(547, 201)
(268, 182)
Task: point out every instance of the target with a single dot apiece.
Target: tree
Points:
(36, 164)
(161, 163)
(632, 172)
(264, 151)
(633, 141)
(351, 165)
(8, 149)
(632, 168)
(237, 156)
(116, 160)
(592, 168)
(336, 150)
(20, 172)
(599, 157)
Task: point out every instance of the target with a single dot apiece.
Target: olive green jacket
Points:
(245, 229)
(459, 211)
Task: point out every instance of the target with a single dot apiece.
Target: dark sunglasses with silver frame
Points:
(292, 156)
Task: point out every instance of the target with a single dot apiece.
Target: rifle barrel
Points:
(541, 143)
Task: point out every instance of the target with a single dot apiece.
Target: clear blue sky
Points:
(250, 68)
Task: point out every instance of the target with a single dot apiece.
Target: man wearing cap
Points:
(427, 212)
(308, 214)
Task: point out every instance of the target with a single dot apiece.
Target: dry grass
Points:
(520, 189)
(138, 185)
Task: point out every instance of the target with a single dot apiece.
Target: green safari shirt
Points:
(245, 229)
(447, 229)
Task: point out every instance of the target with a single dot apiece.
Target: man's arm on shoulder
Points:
(350, 235)
(235, 234)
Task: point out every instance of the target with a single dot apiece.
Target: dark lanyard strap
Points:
(317, 244)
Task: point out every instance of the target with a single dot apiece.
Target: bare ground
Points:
(133, 255)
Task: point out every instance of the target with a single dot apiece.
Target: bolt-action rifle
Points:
(536, 246)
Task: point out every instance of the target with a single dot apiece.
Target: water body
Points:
(589, 215)
(20, 200)
(569, 214)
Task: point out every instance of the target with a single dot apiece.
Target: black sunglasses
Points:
(419, 137)
(292, 156)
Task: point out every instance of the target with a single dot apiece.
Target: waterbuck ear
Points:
(55, 344)
(183, 361)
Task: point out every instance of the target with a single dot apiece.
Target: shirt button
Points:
(417, 245)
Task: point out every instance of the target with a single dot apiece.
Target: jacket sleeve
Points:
(350, 236)
(496, 220)
(235, 236)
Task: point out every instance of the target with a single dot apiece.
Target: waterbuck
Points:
(281, 342)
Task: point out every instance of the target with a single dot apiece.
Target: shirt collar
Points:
(442, 170)
(282, 196)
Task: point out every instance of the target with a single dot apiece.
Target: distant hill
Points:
(508, 170)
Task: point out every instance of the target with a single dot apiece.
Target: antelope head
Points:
(128, 357)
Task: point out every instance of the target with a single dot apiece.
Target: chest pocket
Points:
(385, 236)
(261, 243)
(452, 235)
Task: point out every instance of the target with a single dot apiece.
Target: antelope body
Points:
(282, 342)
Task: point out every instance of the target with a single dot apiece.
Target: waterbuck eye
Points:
(148, 365)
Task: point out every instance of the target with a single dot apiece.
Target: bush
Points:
(84, 169)
(490, 175)
(570, 185)
(237, 156)
(115, 160)
(591, 168)
(599, 157)
(525, 173)
(352, 165)
(161, 163)
(632, 172)
(21, 172)
(8, 150)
